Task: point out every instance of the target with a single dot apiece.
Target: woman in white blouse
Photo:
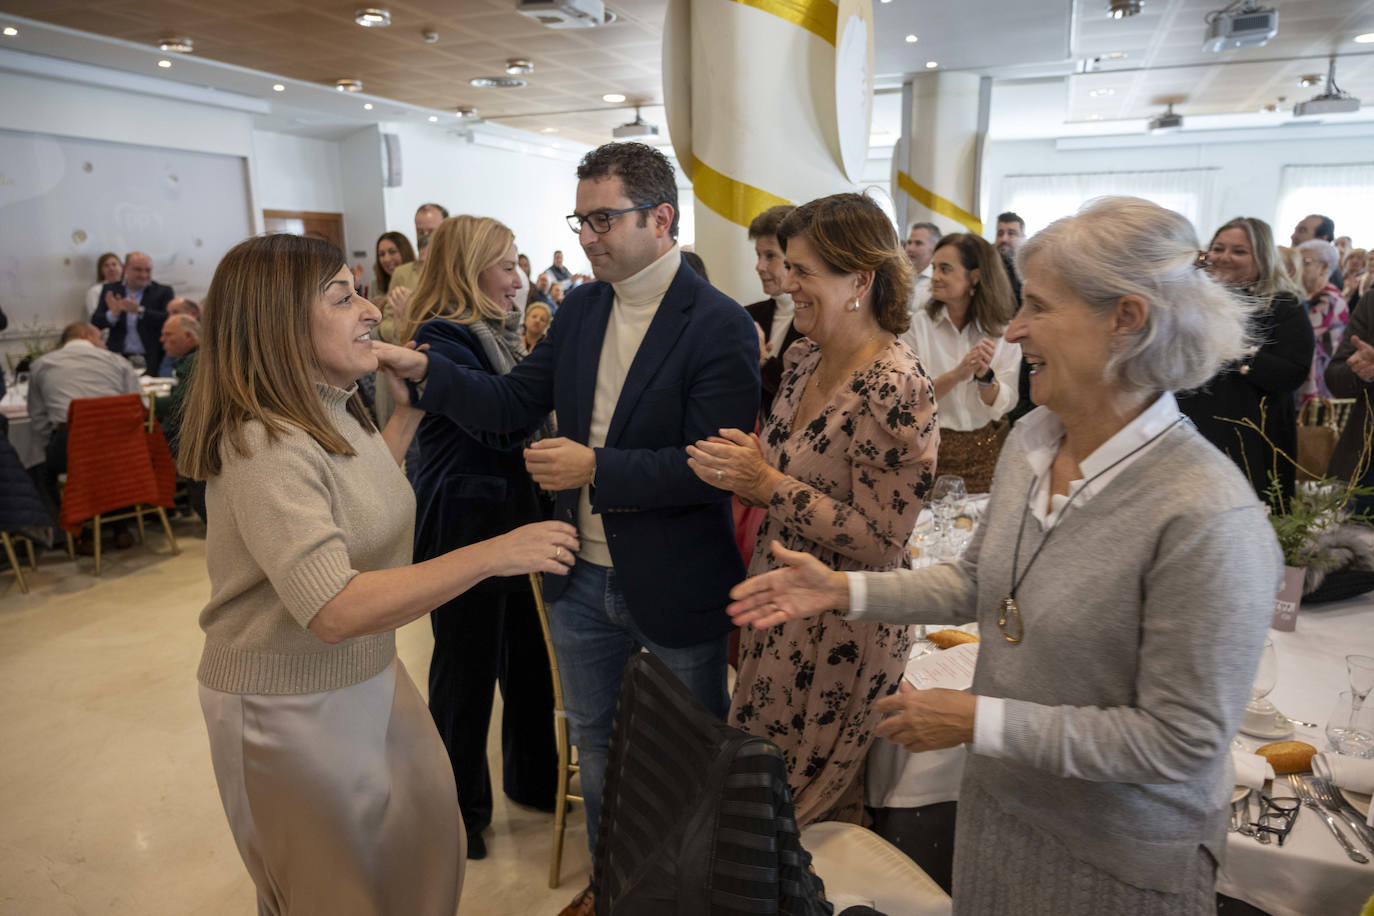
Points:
(958, 337)
(108, 269)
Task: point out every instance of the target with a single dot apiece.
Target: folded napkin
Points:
(1251, 769)
(1350, 772)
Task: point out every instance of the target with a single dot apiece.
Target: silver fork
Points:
(1325, 793)
(1304, 791)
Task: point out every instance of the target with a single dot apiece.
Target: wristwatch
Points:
(985, 379)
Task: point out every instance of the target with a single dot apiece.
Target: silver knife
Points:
(1324, 796)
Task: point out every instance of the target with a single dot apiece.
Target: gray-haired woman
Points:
(1123, 578)
(1326, 310)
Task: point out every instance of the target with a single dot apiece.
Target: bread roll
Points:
(1288, 756)
(947, 639)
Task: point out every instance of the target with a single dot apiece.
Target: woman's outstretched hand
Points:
(803, 588)
(547, 547)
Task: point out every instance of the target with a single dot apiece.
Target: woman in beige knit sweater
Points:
(336, 785)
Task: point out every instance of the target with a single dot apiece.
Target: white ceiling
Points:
(1038, 51)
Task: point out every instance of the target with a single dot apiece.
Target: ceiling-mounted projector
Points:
(636, 128)
(1333, 100)
(564, 14)
(1167, 121)
(1243, 24)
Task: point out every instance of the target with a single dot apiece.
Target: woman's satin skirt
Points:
(340, 802)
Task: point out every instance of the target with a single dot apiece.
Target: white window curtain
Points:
(1343, 192)
(1042, 199)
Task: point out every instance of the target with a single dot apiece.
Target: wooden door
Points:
(326, 226)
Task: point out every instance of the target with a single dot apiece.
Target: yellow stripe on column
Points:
(816, 16)
(736, 201)
(932, 201)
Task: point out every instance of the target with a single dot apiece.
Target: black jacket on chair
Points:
(149, 322)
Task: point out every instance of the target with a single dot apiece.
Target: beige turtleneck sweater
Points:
(636, 303)
(290, 525)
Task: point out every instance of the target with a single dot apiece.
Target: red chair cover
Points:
(112, 460)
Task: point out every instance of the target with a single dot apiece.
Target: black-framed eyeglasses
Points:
(1277, 816)
(601, 220)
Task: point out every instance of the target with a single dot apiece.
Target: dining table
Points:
(14, 407)
(1310, 874)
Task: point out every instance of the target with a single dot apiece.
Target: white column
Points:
(935, 166)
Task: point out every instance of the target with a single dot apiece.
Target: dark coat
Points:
(149, 322)
(671, 536)
(771, 371)
(469, 486)
(1344, 383)
(1271, 376)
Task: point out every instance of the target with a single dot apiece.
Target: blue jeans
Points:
(594, 637)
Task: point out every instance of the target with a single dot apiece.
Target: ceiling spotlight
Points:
(433, 118)
(549, 130)
(1099, 93)
(518, 66)
(177, 45)
(496, 82)
(278, 87)
(165, 64)
(932, 64)
(911, 39)
(1114, 55)
(347, 85)
(1122, 9)
(430, 36)
(1366, 39)
(11, 31)
(1308, 80)
(373, 18)
(615, 98)
(367, 106)
(466, 112)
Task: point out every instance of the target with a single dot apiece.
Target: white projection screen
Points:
(64, 201)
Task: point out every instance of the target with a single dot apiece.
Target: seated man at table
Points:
(134, 309)
(80, 368)
(181, 342)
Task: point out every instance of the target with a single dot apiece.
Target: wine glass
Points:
(946, 500)
(1350, 730)
(1361, 671)
(1261, 716)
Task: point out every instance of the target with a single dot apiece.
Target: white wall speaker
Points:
(391, 160)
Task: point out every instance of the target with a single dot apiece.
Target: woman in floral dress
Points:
(844, 464)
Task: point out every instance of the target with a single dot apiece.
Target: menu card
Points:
(949, 668)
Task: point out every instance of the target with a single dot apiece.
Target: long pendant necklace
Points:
(1009, 611)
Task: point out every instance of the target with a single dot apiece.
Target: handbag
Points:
(1317, 437)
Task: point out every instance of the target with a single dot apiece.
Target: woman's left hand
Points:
(927, 720)
(734, 461)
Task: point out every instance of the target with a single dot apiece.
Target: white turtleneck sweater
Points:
(636, 302)
(783, 313)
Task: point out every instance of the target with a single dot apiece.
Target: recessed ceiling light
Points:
(278, 87)
(496, 82)
(177, 45)
(519, 65)
(373, 18)
(1308, 80)
(1094, 117)
(613, 97)
(347, 85)
(1366, 39)
(433, 118)
(932, 64)
(1114, 55)
(467, 112)
(1122, 9)
(549, 130)
(11, 31)
(1098, 93)
(367, 106)
(911, 39)
(164, 63)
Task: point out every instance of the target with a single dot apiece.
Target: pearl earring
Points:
(855, 306)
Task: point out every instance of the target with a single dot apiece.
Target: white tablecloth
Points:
(1310, 875)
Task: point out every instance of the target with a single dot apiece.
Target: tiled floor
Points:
(107, 799)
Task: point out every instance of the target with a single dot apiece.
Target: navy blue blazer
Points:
(670, 535)
(149, 322)
(469, 485)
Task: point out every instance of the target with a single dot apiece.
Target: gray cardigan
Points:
(1144, 619)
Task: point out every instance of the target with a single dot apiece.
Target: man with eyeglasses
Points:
(636, 366)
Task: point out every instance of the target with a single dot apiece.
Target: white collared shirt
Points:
(940, 345)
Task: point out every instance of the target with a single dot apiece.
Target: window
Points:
(1042, 199)
(1343, 192)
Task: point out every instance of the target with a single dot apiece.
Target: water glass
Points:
(1350, 730)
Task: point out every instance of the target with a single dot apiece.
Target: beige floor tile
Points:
(108, 803)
